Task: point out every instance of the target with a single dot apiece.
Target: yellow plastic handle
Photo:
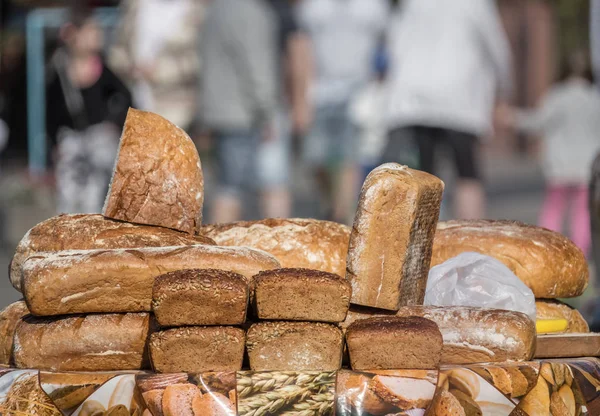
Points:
(546, 326)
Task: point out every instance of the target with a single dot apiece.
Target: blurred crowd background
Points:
(292, 102)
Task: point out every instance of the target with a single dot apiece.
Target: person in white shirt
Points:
(344, 36)
(450, 61)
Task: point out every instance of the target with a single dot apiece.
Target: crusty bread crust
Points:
(296, 242)
(93, 231)
(9, 318)
(390, 245)
(553, 309)
(83, 343)
(546, 261)
(158, 176)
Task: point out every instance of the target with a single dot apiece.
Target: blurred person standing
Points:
(449, 61)
(156, 53)
(344, 35)
(86, 107)
(238, 94)
(569, 121)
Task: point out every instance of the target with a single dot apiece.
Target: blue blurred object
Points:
(381, 61)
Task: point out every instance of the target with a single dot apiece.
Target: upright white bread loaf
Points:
(83, 343)
(386, 343)
(158, 177)
(121, 280)
(93, 231)
(390, 244)
(546, 261)
(9, 318)
(296, 242)
(294, 346)
(471, 335)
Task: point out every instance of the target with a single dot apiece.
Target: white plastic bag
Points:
(473, 279)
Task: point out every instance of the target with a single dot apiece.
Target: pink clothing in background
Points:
(558, 199)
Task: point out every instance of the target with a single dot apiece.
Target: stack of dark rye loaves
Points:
(146, 285)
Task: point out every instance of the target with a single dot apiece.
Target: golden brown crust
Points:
(390, 245)
(546, 261)
(553, 309)
(213, 404)
(448, 405)
(296, 242)
(158, 176)
(121, 280)
(471, 335)
(93, 231)
(9, 318)
(83, 343)
(178, 398)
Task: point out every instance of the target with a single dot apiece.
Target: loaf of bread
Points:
(302, 295)
(471, 335)
(9, 318)
(546, 261)
(197, 349)
(121, 280)
(552, 309)
(200, 297)
(83, 343)
(297, 243)
(294, 346)
(93, 231)
(385, 343)
(390, 244)
(158, 177)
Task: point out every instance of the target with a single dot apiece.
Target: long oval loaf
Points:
(296, 242)
(546, 261)
(83, 343)
(93, 231)
(471, 335)
(9, 318)
(121, 280)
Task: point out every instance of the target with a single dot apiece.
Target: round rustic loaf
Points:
(546, 261)
(550, 309)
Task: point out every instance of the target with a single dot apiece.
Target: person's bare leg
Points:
(277, 203)
(226, 208)
(344, 196)
(469, 200)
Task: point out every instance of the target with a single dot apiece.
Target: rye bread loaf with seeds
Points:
(104, 342)
(197, 349)
(118, 280)
(9, 318)
(390, 245)
(550, 264)
(294, 346)
(200, 297)
(158, 176)
(295, 242)
(301, 295)
(386, 343)
(93, 231)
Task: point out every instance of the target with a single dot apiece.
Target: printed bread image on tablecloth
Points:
(116, 397)
(69, 390)
(21, 394)
(206, 394)
(381, 393)
(285, 393)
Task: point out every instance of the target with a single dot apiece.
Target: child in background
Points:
(568, 119)
(86, 107)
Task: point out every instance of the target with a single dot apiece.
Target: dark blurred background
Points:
(291, 103)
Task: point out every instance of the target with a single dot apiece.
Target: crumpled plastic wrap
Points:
(473, 279)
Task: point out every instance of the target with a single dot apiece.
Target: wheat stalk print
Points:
(320, 404)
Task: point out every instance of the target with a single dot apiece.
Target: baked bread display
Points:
(158, 176)
(83, 343)
(200, 297)
(550, 264)
(296, 242)
(553, 309)
(197, 349)
(302, 295)
(390, 245)
(93, 231)
(121, 280)
(471, 335)
(9, 318)
(294, 346)
(392, 342)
